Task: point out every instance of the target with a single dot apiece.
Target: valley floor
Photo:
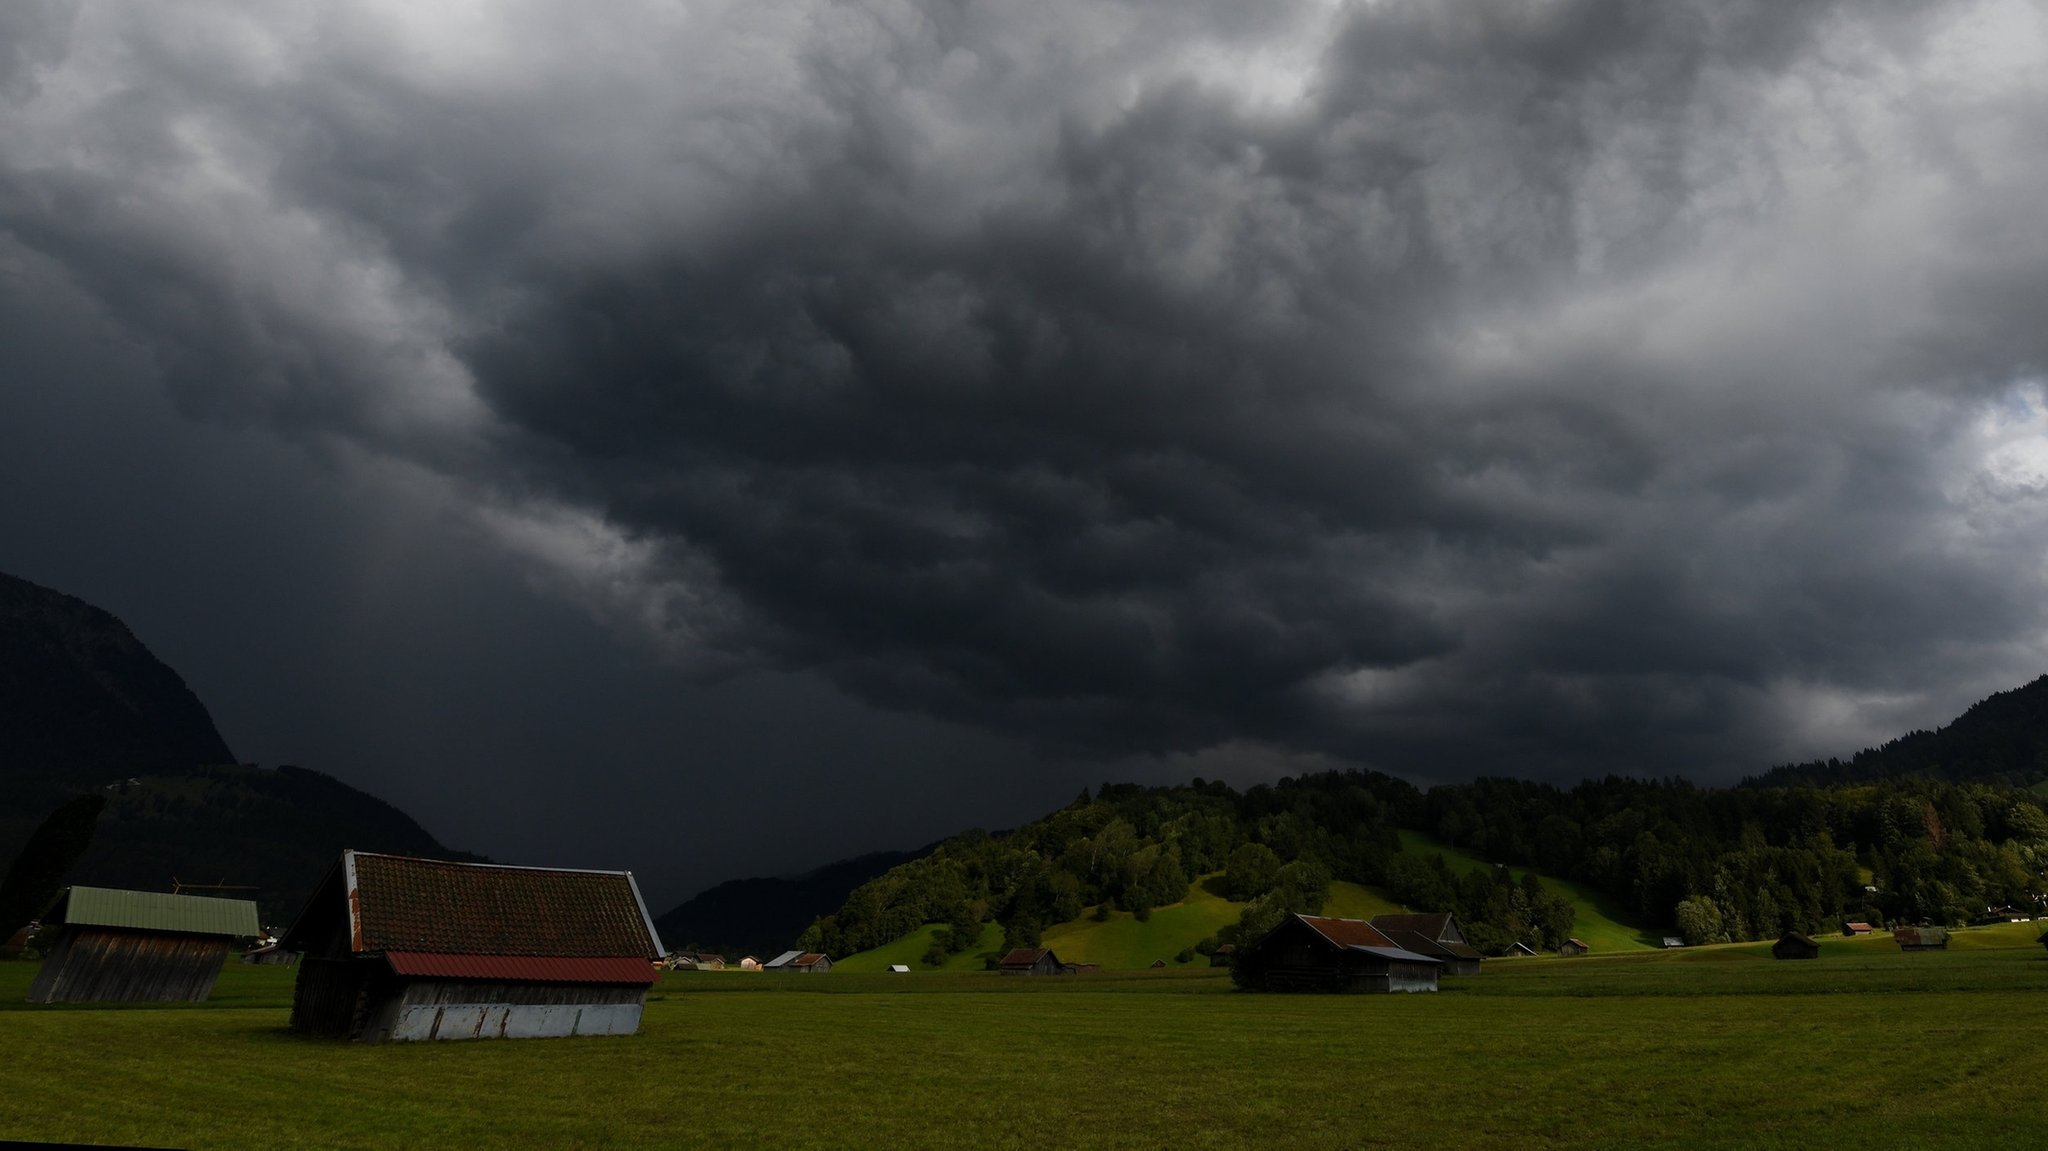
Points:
(1717, 1047)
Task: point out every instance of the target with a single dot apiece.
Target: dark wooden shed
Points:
(1031, 961)
(138, 946)
(1793, 945)
(401, 948)
(1573, 946)
(1317, 953)
(1436, 935)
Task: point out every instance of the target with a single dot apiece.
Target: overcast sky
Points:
(719, 437)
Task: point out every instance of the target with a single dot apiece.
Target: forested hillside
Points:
(1710, 864)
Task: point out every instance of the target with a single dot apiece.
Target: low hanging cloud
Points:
(1451, 387)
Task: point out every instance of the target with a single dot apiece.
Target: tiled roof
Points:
(426, 905)
(1022, 957)
(808, 959)
(1347, 932)
(1432, 925)
(521, 969)
(156, 911)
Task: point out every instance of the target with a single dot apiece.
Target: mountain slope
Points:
(85, 706)
(2001, 739)
(764, 915)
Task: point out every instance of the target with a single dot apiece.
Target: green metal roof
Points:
(157, 911)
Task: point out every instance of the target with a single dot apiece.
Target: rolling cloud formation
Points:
(1450, 387)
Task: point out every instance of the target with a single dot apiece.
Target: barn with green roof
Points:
(138, 946)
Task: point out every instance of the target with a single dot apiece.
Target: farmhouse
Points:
(1316, 953)
(401, 948)
(138, 946)
(1437, 936)
(1031, 961)
(1570, 947)
(1793, 945)
(1921, 938)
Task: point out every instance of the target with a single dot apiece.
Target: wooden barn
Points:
(1436, 935)
(398, 948)
(1316, 953)
(138, 946)
(1571, 947)
(1031, 961)
(1857, 927)
(1221, 956)
(799, 961)
(1793, 945)
(1921, 938)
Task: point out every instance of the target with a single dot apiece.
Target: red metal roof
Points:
(1347, 932)
(521, 968)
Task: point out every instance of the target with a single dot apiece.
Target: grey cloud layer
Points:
(1453, 387)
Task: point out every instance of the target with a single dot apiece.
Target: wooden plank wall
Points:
(102, 965)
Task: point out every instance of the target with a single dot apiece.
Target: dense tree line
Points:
(1711, 864)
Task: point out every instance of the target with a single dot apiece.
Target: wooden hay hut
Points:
(1793, 945)
(138, 946)
(1436, 935)
(1573, 946)
(1519, 949)
(1857, 927)
(1317, 953)
(398, 948)
(1921, 938)
(1031, 961)
(1222, 955)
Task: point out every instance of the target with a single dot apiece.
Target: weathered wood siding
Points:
(458, 1009)
(109, 965)
(330, 996)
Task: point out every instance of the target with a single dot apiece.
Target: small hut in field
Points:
(1921, 938)
(1857, 927)
(1222, 955)
(399, 948)
(138, 946)
(1793, 945)
(1317, 953)
(1573, 946)
(1031, 961)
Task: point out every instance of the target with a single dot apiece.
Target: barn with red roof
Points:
(1318, 953)
(400, 948)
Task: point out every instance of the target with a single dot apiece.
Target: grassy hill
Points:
(1122, 943)
(1600, 924)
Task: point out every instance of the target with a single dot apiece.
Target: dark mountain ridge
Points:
(764, 915)
(2001, 739)
(85, 706)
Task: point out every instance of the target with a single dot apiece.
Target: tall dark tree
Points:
(38, 872)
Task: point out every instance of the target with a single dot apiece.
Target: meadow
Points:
(1714, 1047)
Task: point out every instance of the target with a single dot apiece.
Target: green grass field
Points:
(1713, 1047)
(1599, 923)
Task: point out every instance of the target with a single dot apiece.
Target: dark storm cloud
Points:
(1451, 387)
